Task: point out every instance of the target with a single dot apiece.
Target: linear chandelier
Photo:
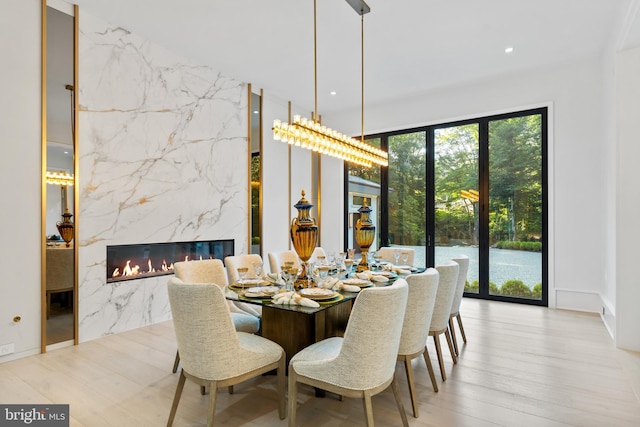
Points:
(59, 178)
(312, 135)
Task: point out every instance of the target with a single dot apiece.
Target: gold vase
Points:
(304, 235)
(365, 232)
(65, 227)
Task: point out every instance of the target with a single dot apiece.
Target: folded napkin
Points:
(367, 275)
(275, 279)
(337, 285)
(293, 298)
(251, 281)
(397, 269)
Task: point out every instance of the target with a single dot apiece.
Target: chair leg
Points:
(412, 392)
(230, 389)
(396, 393)
(451, 350)
(176, 399)
(176, 362)
(368, 409)
(213, 394)
(436, 340)
(464, 337)
(432, 375)
(282, 379)
(292, 397)
(453, 335)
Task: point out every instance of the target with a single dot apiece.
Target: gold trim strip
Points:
(43, 185)
(76, 170)
(261, 172)
(249, 168)
(289, 202)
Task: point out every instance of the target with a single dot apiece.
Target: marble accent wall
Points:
(163, 157)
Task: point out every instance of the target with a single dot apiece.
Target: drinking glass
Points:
(257, 269)
(405, 257)
(284, 273)
(396, 255)
(294, 273)
(242, 273)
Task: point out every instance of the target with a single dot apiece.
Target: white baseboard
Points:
(572, 299)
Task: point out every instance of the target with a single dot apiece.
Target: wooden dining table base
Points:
(295, 330)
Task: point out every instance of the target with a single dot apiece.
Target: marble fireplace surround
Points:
(162, 158)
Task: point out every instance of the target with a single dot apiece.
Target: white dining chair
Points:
(387, 254)
(440, 319)
(212, 352)
(212, 271)
(362, 363)
(232, 263)
(415, 327)
(277, 260)
(463, 262)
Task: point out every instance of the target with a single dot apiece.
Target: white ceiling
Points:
(411, 46)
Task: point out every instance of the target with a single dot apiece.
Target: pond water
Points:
(504, 264)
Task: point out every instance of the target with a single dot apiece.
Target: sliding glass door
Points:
(475, 188)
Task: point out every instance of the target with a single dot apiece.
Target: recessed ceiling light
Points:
(66, 152)
(333, 92)
(256, 112)
(508, 49)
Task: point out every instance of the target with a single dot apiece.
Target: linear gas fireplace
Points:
(127, 262)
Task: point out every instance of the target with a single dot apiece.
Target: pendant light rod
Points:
(362, 75)
(315, 63)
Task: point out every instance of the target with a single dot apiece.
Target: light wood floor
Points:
(523, 366)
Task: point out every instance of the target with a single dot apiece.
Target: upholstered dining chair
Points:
(362, 363)
(212, 352)
(232, 263)
(463, 262)
(317, 252)
(415, 331)
(212, 271)
(440, 319)
(277, 260)
(386, 254)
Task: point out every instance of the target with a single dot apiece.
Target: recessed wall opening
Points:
(137, 261)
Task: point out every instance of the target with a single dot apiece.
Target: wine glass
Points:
(396, 255)
(242, 273)
(294, 273)
(284, 273)
(376, 259)
(257, 269)
(404, 255)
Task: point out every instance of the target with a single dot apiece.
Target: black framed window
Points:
(475, 187)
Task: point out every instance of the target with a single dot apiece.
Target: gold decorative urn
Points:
(365, 232)
(304, 235)
(65, 227)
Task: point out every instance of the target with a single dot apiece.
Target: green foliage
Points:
(473, 287)
(520, 246)
(493, 289)
(537, 291)
(515, 288)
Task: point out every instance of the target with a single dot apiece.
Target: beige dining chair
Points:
(440, 319)
(415, 331)
(317, 252)
(232, 263)
(212, 271)
(387, 254)
(463, 262)
(213, 354)
(362, 363)
(277, 260)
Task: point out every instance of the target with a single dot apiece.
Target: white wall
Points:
(577, 176)
(20, 171)
(628, 199)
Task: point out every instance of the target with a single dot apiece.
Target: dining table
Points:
(295, 327)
